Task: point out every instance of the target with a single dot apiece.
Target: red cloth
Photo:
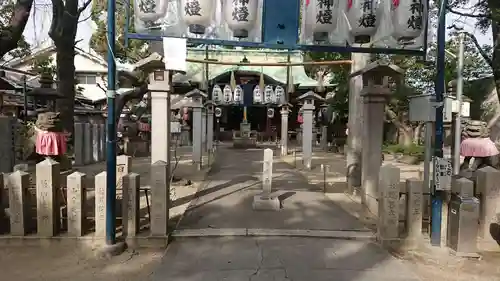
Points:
(300, 119)
(50, 143)
(478, 147)
(144, 127)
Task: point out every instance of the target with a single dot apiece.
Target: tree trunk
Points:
(406, 135)
(11, 34)
(66, 86)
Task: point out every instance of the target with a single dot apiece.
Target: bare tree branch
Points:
(480, 49)
(10, 36)
(84, 6)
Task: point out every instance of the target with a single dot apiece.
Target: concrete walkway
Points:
(225, 200)
(224, 208)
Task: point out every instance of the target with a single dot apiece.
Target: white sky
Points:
(41, 16)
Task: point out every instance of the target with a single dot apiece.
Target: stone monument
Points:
(307, 128)
(265, 200)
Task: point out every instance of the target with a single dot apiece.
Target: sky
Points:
(41, 16)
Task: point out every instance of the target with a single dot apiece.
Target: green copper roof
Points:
(195, 71)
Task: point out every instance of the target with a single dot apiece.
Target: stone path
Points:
(225, 200)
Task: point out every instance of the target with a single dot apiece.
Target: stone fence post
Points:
(131, 207)
(414, 210)
(47, 200)
(17, 184)
(388, 202)
(79, 145)
(160, 198)
(488, 185)
(100, 205)
(76, 204)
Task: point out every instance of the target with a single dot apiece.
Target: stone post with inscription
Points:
(47, 205)
(76, 204)
(488, 185)
(131, 206)
(100, 206)
(18, 183)
(307, 128)
(210, 124)
(414, 210)
(197, 96)
(160, 198)
(388, 205)
(265, 200)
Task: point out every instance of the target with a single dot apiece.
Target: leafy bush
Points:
(410, 150)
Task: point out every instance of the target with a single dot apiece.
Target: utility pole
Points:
(437, 195)
(458, 118)
(355, 123)
(111, 131)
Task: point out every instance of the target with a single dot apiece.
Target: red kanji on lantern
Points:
(395, 3)
(349, 4)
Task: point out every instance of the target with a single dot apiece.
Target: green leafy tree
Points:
(43, 64)
(13, 18)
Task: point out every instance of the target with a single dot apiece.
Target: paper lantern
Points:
(279, 95)
(227, 94)
(268, 94)
(408, 19)
(257, 94)
(363, 19)
(240, 16)
(197, 14)
(324, 18)
(217, 94)
(238, 95)
(150, 10)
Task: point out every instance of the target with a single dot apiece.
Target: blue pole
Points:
(437, 202)
(111, 129)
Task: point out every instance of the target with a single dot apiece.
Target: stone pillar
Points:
(47, 205)
(414, 208)
(488, 180)
(160, 126)
(19, 208)
(79, 144)
(7, 144)
(102, 143)
(307, 135)
(160, 198)
(388, 204)
(197, 135)
(95, 143)
(87, 143)
(355, 123)
(100, 205)
(204, 129)
(131, 207)
(265, 201)
(210, 128)
(324, 137)
(76, 204)
(284, 131)
(372, 148)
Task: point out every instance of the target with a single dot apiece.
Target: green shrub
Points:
(410, 150)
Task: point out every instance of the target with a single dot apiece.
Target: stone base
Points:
(108, 251)
(265, 203)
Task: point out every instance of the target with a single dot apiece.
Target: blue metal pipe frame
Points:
(111, 130)
(437, 196)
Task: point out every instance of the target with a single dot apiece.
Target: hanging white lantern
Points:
(197, 14)
(408, 19)
(324, 18)
(238, 94)
(240, 16)
(227, 94)
(257, 94)
(217, 94)
(363, 19)
(268, 94)
(150, 10)
(279, 95)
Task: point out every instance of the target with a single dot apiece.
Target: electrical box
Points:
(422, 108)
(463, 225)
(451, 106)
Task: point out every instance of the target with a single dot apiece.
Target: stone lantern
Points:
(285, 110)
(376, 91)
(197, 97)
(307, 129)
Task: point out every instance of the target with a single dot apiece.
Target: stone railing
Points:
(72, 207)
(402, 211)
